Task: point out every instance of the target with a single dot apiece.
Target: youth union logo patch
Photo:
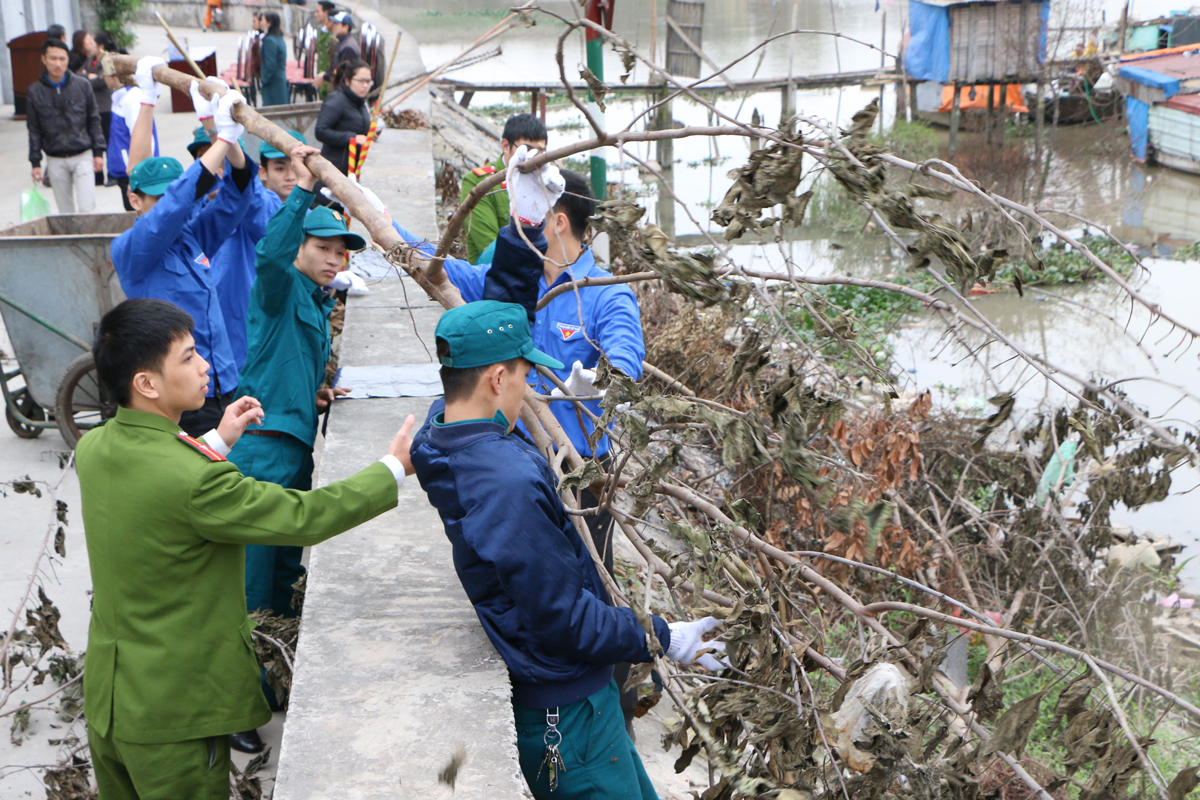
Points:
(568, 331)
(202, 260)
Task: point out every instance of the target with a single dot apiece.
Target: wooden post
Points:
(1039, 137)
(955, 113)
(991, 114)
(912, 99)
(665, 207)
(882, 64)
(1003, 110)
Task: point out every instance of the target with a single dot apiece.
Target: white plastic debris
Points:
(886, 690)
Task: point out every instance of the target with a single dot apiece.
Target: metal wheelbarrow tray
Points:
(56, 282)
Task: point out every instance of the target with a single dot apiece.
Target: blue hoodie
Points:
(572, 327)
(522, 564)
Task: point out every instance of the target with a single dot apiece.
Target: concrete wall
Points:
(393, 672)
(19, 17)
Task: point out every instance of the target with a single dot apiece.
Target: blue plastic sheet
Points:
(1148, 77)
(1138, 115)
(927, 56)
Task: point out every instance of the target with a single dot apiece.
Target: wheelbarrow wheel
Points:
(81, 404)
(29, 409)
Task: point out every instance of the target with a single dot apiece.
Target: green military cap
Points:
(326, 223)
(268, 150)
(154, 175)
(487, 332)
(199, 139)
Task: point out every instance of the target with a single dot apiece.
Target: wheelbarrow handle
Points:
(45, 323)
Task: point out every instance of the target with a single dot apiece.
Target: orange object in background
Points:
(212, 6)
(1015, 104)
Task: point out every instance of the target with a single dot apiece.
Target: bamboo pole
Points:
(436, 285)
(187, 56)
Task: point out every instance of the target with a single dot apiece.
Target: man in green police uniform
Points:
(171, 667)
(490, 214)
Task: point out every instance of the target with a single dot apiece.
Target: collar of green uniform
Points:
(499, 164)
(144, 419)
(497, 419)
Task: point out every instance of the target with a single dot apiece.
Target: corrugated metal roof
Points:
(1181, 66)
(1185, 102)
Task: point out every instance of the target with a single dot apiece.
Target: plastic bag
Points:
(33, 205)
(886, 690)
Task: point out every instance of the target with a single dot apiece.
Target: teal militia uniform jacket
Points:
(287, 328)
(170, 655)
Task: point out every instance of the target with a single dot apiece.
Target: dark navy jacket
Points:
(572, 327)
(523, 566)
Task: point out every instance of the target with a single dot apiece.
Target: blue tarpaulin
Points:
(927, 56)
(1148, 77)
(1138, 115)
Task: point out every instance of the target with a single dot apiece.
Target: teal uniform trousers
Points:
(272, 570)
(600, 760)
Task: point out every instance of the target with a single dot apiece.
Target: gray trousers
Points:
(73, 182)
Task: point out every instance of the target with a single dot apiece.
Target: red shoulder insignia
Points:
(481, 171)
(503, 184)
(208, 452)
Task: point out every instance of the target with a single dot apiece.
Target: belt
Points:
(264, 433)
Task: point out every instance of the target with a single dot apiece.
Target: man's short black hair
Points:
(577, 202)
(327, 5)
(524, 126)
(136, 336)
(59, 43)
(459, 384)
(56, 32)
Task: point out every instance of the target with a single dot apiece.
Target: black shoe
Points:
(246, 742)
(111, 181)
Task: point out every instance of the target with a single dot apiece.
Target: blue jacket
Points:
(570, 328)
(233, 265)
(118, 137)
(163, 256)
(522, 564)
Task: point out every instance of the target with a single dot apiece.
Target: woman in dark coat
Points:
(85, 61)
(273, 52)
(345, 115)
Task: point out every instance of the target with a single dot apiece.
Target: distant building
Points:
(976, 42)
(19, 18)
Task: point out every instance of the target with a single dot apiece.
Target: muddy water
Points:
(1091, 176)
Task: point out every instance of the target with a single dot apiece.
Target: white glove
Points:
(581, 382)
(205, 109)
(686, 639)
(350, 283)
(532, 194)
(371, 197)
(228, 129)
(145, 78)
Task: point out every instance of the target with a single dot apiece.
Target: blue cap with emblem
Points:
(488, 332)
(154, 175)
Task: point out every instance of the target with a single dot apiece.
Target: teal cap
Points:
(327, 223)
(268, 150)
(154, 175)
(487, 332)
(199, 139)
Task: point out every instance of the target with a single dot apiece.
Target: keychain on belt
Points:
(552, 759)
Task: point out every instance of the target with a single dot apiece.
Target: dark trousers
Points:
(105, 122)
(204, 419)
(600, 526)
(124, 184)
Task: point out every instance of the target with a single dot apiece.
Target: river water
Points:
(1091, 175)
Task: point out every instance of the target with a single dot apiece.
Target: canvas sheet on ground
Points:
(399, 380)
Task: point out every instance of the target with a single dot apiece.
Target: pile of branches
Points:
(842, 541)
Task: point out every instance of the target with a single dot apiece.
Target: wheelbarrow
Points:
(56, 282)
